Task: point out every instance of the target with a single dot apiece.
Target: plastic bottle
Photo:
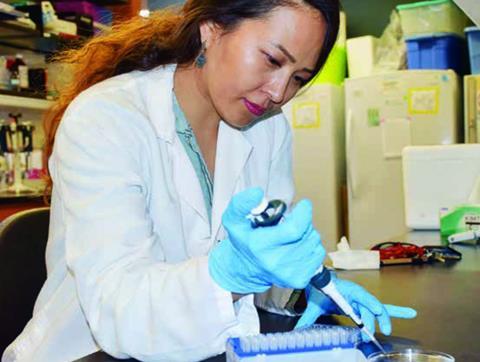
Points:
(19, 73)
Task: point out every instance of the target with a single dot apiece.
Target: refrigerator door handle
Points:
(349, 154)
(470, 110)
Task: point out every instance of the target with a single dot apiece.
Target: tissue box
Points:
(355, 259)
(459, 219)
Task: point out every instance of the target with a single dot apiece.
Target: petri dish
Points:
(410, 355)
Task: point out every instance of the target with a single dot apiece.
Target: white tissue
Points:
(348, 259)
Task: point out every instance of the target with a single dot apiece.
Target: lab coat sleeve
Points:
(280, 186)
(136, 305)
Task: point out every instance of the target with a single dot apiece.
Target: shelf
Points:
(15, 35)
(102, 27)
(110, 2)
(11, 101)
(107, 2)
(9, 11)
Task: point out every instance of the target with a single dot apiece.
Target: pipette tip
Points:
(373, 339)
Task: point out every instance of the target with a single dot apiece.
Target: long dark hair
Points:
(168, 36)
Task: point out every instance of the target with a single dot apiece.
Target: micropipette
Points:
(270, 213)
(323, 282)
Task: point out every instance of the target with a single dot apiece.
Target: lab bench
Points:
(445, 295)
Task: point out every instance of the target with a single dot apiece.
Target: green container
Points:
(436, 16)
(335, 68)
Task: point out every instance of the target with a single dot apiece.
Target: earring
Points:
(201, 58)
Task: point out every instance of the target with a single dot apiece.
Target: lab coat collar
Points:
(159, 103)
(162, 116)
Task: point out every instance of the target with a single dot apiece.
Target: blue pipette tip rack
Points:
(305, 342)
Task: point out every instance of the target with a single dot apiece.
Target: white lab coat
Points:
(129, 234)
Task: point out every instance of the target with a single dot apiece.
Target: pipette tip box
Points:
(313, 344)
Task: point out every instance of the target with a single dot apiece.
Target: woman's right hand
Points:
(251, 260)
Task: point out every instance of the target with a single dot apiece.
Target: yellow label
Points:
(306, 114)
(423, 100)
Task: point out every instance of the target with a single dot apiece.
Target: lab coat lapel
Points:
(158, 93)
(233, 150)
(186, 179)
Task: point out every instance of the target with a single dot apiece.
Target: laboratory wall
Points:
(156, 4)
(364, 17)
(369, 16)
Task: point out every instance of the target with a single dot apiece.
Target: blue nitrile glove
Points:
(365, 305)
(251, 260)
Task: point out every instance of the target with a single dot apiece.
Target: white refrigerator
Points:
(384, 113)
(317, 119)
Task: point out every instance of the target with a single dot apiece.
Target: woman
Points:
(165, 120)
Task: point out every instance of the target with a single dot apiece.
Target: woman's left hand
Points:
(369, 308)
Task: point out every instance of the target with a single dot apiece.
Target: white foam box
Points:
(436, 177)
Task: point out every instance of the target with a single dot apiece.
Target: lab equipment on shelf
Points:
(16, 144)
(316, 343)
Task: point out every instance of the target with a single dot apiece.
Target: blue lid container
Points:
(473, 37)
(437, 51)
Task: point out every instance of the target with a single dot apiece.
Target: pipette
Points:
(270, 213)
(323, 282)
